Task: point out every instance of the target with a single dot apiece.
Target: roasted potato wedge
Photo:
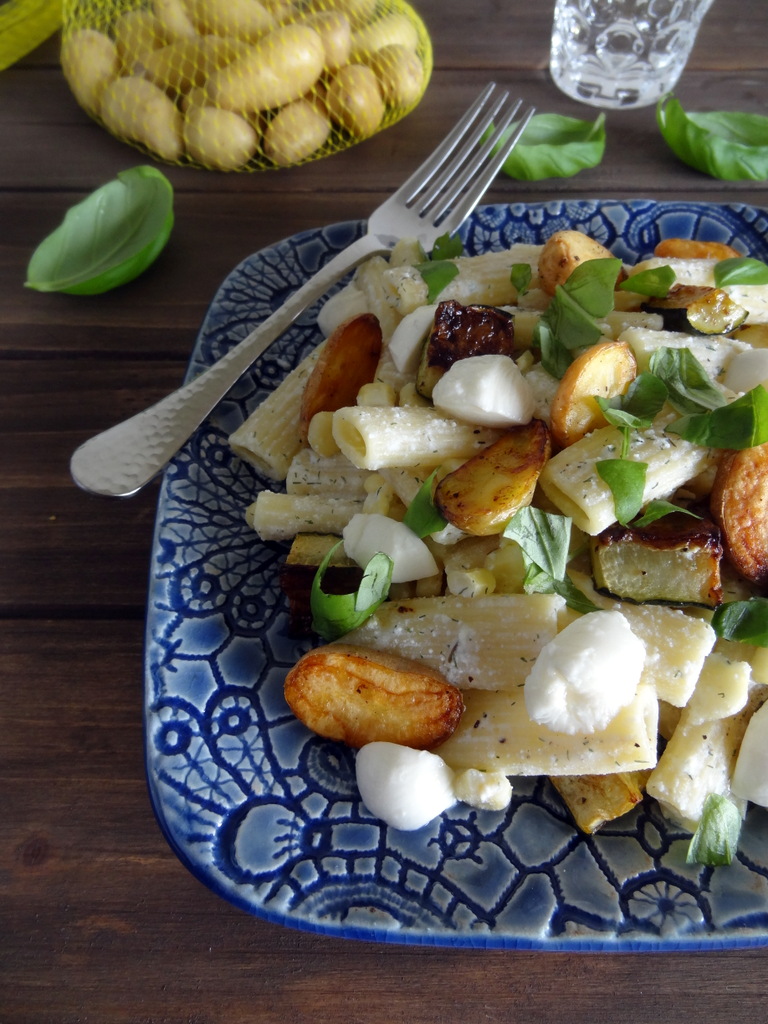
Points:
(594, 800)
(692, 249)
(605, 370)
(739, 504)
(483, 493)
(562, 253)
(348, 360)
(358, 695)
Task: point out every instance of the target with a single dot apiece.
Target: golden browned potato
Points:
(348, 360)
(562, 253)
(739, 504)
(485, 492)
(690, 249)
(606, 370)
(360, 696)
(594, 800)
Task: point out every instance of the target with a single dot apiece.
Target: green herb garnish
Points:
(689, 387)
(717, 836)
(746, 621)
(422, 515)
(655, 282)
(738, 425)
(626, 480)
(740, 270)
(109, 238)
(333, 615)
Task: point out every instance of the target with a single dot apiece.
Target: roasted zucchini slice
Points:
(459, 332)
(675, 560)
(695, 309)
(298, 572)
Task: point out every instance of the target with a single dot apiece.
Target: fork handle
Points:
(124, 458)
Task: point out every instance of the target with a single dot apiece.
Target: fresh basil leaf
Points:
(741, 424)
(689, 387)
(520, 277)
(740, 270)
(728, 145)
(574, 598)
(716, 839)
(447, 247)
(554, 146)
(626, 480)
(573, 325)
(639, 407)
(109, 238)
(555, 357)
(746, 621)
(655, 281)
(333, 615)
(437, 276)
(544, 538)
(592, 284)
(657, 509)
(422, 516)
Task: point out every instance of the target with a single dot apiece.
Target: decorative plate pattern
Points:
(267, 814)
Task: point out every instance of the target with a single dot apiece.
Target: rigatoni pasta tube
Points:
(277, 516)
(481, 642)
(570, 479)
(496, 734)
(373, 437)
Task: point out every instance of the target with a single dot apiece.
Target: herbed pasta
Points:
(479, 621)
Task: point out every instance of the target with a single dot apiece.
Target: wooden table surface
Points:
(99, 922)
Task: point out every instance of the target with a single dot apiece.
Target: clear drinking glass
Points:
(622, 53)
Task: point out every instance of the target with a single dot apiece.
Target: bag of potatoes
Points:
(243, 85)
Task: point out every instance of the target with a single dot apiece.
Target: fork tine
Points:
(432, 165)
(474, 183)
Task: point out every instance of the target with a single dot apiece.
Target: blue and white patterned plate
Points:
(267, 814)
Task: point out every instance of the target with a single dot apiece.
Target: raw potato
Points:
(400, 74)
(385, 31)
(354, 100)
(348, 360)
(691, 249)
(739, 503)
(562, 253)
(485, 492)
(135, 109)
(280, 68)
(357, 11)
(245, 19)
(173, 19)
(219, 139)
(606, 370)
(187, 63)
(334, 29)
(297, 131)
(137, 33)
(90, 62)
(360, 696)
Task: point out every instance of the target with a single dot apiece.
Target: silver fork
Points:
(434, 201)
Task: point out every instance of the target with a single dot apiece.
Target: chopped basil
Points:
(717, 836)
(741, 424)
(520, 277)
(746, 621)
(655, 281)
(446, 247)
(333, 615)
(437, 276)
(544, 538)
(728, 145)
(108, 238)
(626, 480)
(555, 146)
(422, 516)
(638, 408)
(740, 270)
(657, 509)
(689, 387)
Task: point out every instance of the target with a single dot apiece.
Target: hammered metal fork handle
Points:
(124, 458)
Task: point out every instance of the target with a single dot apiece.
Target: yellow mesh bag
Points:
(244, 85)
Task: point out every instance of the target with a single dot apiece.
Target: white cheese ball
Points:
(368, 533)
(488, 390)
(404, 787)
(487, 791)
(750, 776)
(586, 674)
